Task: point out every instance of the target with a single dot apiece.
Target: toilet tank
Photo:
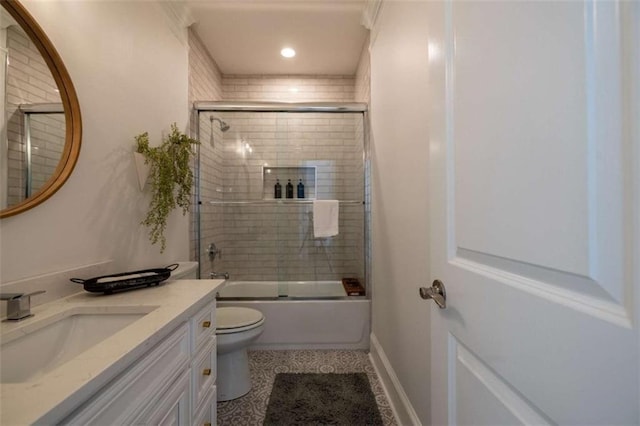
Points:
(185, 271)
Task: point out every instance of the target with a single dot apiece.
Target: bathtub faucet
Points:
(216, 275)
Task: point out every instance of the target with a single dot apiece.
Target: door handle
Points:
(436, 293)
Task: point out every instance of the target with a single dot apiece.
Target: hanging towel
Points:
(325, 218)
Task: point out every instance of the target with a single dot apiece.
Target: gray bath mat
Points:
(322, 399)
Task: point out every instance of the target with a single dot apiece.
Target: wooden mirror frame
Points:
(73, 122)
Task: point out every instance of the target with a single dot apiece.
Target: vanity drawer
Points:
(203, 326)
(203, 372)
(207, 414)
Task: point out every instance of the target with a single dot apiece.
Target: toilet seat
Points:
(235, 319)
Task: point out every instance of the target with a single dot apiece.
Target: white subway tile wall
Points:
(363, 94)
(205, 78)
(291, 88)
(363, 73)
(30, 81)
(205, 84)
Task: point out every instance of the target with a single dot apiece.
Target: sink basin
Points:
(43, 345)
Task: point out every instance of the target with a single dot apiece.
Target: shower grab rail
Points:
(273, 202)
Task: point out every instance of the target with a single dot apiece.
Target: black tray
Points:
(124, 281)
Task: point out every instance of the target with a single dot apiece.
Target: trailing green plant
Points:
(171, 179)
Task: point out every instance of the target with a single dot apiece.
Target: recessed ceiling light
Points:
(288, 52)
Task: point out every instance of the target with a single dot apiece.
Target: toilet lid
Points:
(232, 317)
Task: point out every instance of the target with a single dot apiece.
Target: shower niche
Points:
(295, 174)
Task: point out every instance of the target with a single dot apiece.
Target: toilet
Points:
(236, 329)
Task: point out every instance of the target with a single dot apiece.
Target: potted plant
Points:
(171, 179)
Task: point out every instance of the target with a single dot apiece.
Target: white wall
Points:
(400, 200)
(130, 70)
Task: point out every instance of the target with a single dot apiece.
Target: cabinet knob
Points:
(206, 324)
(206, 372)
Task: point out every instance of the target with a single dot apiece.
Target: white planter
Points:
(142, 169)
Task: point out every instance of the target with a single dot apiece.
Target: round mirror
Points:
(41, 126)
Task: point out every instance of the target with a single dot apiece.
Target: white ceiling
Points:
(246, 36)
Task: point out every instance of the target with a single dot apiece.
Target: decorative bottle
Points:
(277, 189)
(300, 189)
(289, 189)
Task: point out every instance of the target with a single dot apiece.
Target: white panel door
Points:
(535, 197)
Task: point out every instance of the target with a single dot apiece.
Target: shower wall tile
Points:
(205, 78)
(363, 94)
(299, 88)
(205, 84)
(363, 73)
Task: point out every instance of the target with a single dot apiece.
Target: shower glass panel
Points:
(34, 149)
(264, 239)
(46, 138)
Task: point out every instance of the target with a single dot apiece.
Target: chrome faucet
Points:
(216, 275)
(18, 305)
(214, 251)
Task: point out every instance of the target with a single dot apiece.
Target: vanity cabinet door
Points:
(173, 407)
(122, 401)
(203, 373)
(206, 416)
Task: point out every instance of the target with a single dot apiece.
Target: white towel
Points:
(325, 218)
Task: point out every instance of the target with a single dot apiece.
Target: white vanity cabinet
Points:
(173, 383)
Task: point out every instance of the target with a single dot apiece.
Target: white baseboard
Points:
(400, 404)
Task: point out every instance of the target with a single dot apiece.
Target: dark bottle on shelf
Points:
(277, 189)
(300, 189)
(289, 189)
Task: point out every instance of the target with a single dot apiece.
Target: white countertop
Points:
(49, 398)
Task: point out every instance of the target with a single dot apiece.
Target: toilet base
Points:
(234, 379)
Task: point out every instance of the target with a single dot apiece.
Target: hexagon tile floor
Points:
(250, 409)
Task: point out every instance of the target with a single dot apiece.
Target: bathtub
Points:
(303, 315)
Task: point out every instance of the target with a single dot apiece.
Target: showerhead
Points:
(223, 125)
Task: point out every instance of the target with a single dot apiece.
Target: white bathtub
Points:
(296, 322)
(282, 289)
